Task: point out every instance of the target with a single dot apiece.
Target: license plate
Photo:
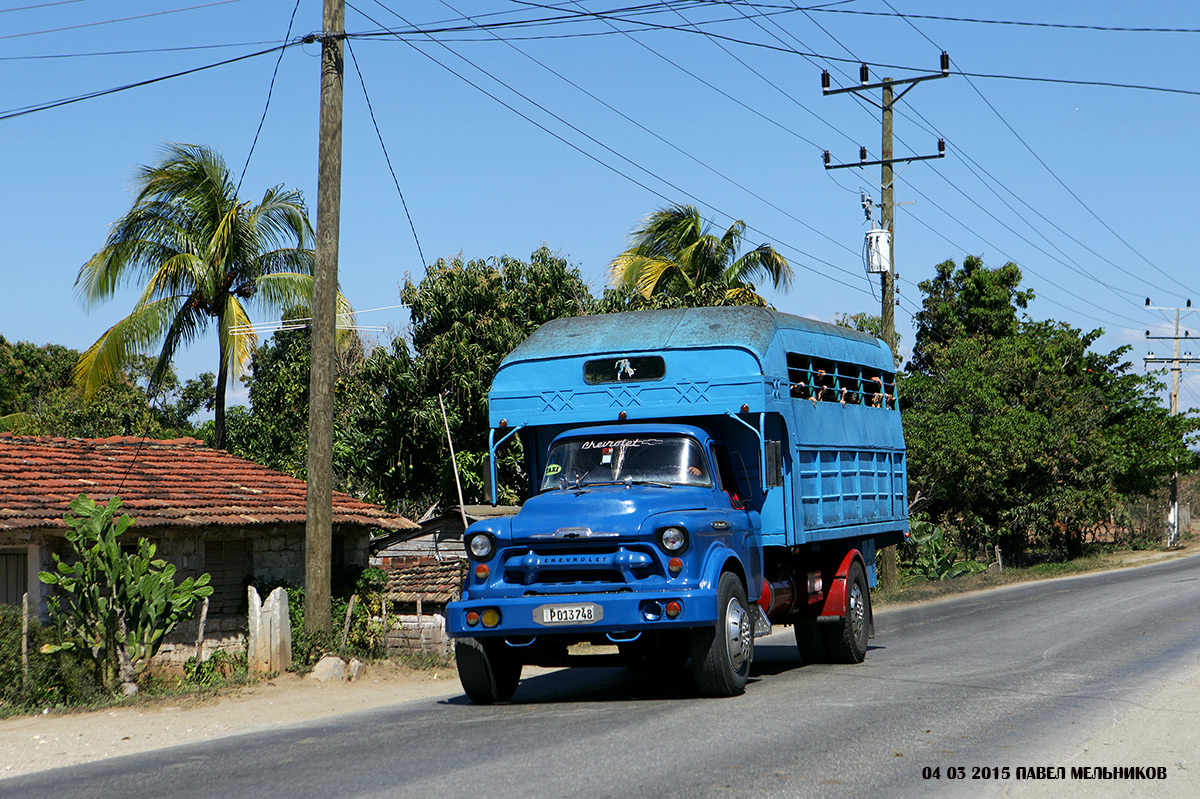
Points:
(580, 613)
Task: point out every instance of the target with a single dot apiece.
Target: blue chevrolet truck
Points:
(696, 476)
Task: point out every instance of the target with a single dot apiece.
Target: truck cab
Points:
(671, 508)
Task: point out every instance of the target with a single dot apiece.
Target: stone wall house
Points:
(205, 510)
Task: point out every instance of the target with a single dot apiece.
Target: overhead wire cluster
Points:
(724, 26)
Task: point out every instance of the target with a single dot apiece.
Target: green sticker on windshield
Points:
(553, 469)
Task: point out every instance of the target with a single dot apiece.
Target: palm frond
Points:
(131, 336)
(236, 350)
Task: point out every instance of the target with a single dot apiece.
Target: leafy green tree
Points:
(201, 255)
(466, 316)
(116, 606)
(674, 251)
(38, 396)
(1019, 435)
(275, 432)
(971, 301)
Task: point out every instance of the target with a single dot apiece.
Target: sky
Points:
(509, 125)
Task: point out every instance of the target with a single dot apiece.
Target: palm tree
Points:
(674, 252)
(202, 256)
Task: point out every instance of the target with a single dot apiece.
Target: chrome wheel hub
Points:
(739, 634)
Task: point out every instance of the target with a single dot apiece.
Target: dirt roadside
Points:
(1162, 731)
(37, 743)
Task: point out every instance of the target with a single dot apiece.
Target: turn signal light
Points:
(675, 566)
(491, 617)
(482, 572)
(472, 618)
(673, 609)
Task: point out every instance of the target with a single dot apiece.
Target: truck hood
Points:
(603, 509)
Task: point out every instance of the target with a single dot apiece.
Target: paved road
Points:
(1003, 678)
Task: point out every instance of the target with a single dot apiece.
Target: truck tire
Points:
(811, 643)
(489, 673)
(847, 641)
(721, 654)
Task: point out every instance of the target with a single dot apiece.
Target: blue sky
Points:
(735, 126)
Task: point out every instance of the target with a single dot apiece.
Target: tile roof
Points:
(432, 581)
(176, 483)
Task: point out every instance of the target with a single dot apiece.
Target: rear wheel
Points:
(721, 654)
(811, 643)
(847, 641)
(488, 670)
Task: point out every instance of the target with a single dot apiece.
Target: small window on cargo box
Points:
(624, 369)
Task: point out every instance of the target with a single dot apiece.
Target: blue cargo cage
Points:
(695, 476)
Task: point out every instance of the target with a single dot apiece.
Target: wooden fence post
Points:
(200, 632)
(25, 641)
(346, 627)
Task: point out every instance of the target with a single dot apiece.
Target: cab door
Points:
(747, 538)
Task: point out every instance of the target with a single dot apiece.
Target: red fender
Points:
(834, 605)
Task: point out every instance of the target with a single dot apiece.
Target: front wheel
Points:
(488, 670)
(847, 641)
(721, 655)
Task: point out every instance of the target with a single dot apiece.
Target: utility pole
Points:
(887, 179)
(1175, 361)
(318, 535)
(887, 278)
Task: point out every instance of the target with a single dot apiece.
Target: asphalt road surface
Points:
(1005, 678)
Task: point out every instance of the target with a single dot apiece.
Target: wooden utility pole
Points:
(1175, 361)
(319, 522)
(887, 277)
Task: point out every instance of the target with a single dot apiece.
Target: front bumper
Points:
(623, 613)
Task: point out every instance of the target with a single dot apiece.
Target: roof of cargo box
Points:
(674, 328)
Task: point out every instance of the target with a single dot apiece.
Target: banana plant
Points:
(937, 557)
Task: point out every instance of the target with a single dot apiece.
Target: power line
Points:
(142, 51)
(1021, 23)
(580, 150)
(386, 157)
(270, 90)
(113, 21)
(40, 5)
(30, 109)
(1046, 166)
(677, 148)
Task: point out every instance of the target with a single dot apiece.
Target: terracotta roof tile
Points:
(432, 581)
(175, 483)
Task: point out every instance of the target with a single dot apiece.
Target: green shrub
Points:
(219, 668)
(55, 678)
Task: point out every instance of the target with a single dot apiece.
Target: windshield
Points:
(677, 460)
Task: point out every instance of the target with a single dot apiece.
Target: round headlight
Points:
(673, 538)
(481, 546)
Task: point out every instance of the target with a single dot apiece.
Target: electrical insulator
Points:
(864, 74)
(825, 80)
(945, 63)
(941, 147)
(862, 153)
(1147, 302)
(827, 158)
